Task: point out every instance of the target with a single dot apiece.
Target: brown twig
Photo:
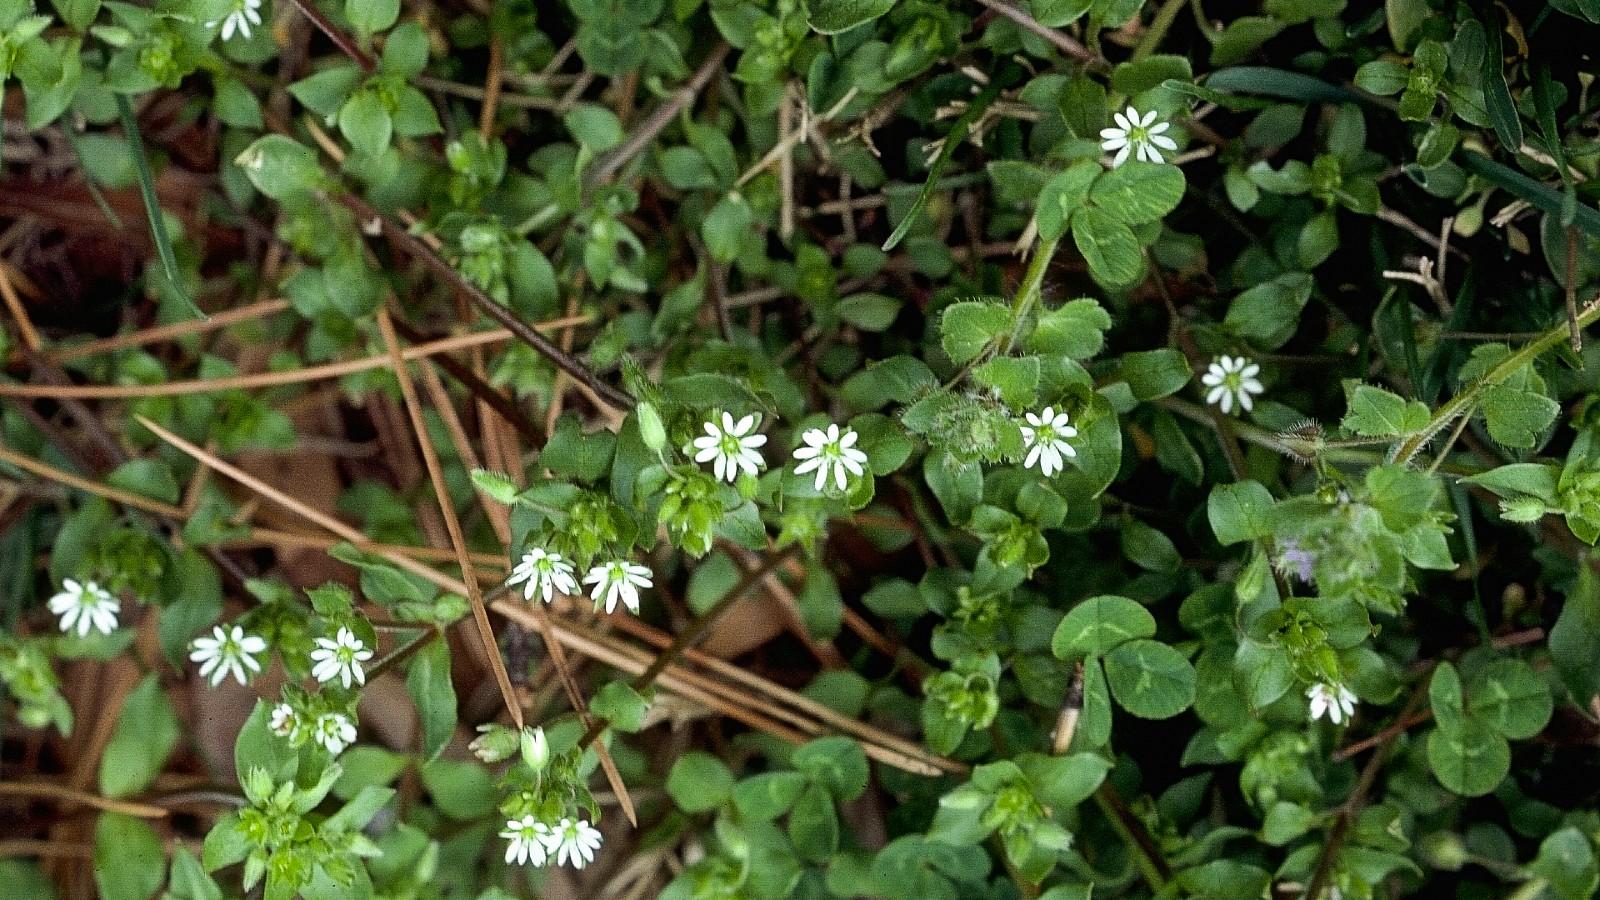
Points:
(1060, 41)
(339, 38)
(608, 165)
(458, 540)
(479, 388)
(63, 793)
(420, 250)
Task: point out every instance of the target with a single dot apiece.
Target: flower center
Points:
(1046, 434)
(730, 445)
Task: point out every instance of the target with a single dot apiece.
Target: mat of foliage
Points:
(799, 449)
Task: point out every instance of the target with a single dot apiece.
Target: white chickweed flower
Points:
(85, 606)
(1334, 700)
(574, 842)
(1046, 436)
(1136, 135)
(830, 450)
(334, 731)
(731, 446)
(245, 14)
(284, 722)
(227, 651)
(1232, 379)
(618, 578)
(340, 658)
(528, 841)
(545, 573)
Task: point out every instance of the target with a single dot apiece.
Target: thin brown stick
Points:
(265, 379)
(607, 166)
(88, 485)
(168, 332)
(491, 89)
(481, 389)
(458, 541)
(25, 329)
(419, 249)
(43, 848)
(339, 38)
(1059, 40)
(66, 794)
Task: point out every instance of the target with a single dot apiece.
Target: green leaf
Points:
(281, 167)
(570, 452)
(1575, 638)
(1239, 512)
(360, 809)
(147, 731)
(1470, 760)
(1107, 245)
(725, 228)
(1153, 374)
(1014, 379)
(594, 126)
(364, 121)
(1375, 412)
(130, 862)
(814, 825)
(1056, 13)
(1135, 77)
(869, 312)
(699, 782)
(1516, 417)
(258, 748)
(769, 795)
(1100, 624)
(618, 703)
(1076, 329)
(1566, 862)
(189, 880)
(1062, 782)
(1136, 192)
(1444, 697)
(1507, 696)
(428, 681)
(968, 326)
(1268, 314)
(1150, 679)
(147, 477)
(372, 16)
(464, 791)
(837, 763)
(1064, 195)
(1148, 548)
(835, 16)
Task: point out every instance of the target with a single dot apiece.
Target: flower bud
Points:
(1443, 850)
(494, 743)
(1522, 509)
(535, 749)
(651, 430)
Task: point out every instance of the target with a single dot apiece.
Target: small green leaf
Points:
(835, 16)
(1100, 624)
(147, 731)
(1138, 192)
(1375, 412)
(1110, 249)
(968, 326)
(1150, 679)
(699, 782)
(428, 681)
(1470, 760)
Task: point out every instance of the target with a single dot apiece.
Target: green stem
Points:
(402, 653)
(1114, 813)
(1157, 32)
(1462, 403)
(1031, 289)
